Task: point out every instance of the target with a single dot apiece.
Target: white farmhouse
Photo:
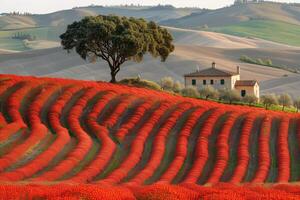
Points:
(222, 79)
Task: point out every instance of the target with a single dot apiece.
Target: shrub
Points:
(209, 92)
(269, 99)
(167, 83)
(285, 100)
(178, 87)
(250, 99)
(297, 104)
(190, 91)
(137, 82)
(229, 95)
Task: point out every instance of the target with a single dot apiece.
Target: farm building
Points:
(222, 79)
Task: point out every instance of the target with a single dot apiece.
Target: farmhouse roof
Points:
(212, 72)
(245, 83)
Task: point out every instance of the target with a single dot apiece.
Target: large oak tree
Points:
(117, 40)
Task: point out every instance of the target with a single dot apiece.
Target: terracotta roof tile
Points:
(245, 83)
(211, 72)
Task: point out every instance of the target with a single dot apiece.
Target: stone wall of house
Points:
(229, 82)
(249, 90)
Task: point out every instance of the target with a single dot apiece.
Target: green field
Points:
(269, 30)
(42, 33)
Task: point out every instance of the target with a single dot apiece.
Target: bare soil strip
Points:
(207, 169)
(253, 150)
(233, 142)
(273, 170)
(188, 163)
(170, 147)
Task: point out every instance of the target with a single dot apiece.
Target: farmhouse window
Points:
(194, 82)
(222, 81)
(243, 93)
(211, 82)
(204, 82)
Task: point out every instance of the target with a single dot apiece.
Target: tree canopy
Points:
(117, 40)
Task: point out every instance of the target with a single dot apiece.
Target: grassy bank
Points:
(265, 29)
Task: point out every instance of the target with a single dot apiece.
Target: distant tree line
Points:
(23, 36)
(247, 1)
(14, 13)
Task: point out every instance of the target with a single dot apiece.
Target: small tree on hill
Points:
(167, 83)
(209, 92)
(297, 104)
(190, 91)
(177, 87)
(268, 100)
(229, 96)
(285, 100)
(117, 40)
(250, 99)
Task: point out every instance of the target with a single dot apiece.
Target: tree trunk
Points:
(283, 108)
(113, 72)
(113, 77)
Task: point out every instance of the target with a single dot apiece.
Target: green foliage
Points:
(269, 100)
(265, 62)
(250, 99)
(44, 33)
(297, 104)
(168, 84)
(285, 100)
(265, 29)
(137, 82)
(177, 87)
(230, 96)
(259, 61)
(190, 91)
(117, 40)
(209, 92)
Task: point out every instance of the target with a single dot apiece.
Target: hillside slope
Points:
(58, 63)
(65, 17)
(276, 22)
(109, 134)
(239, 13)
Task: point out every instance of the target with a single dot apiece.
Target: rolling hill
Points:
(64, 17)
(276, 22)
(193, 48)
(68, 132)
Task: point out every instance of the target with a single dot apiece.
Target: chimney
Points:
(238, 70)
(213, 65)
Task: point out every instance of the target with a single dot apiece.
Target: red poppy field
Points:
(68, 139)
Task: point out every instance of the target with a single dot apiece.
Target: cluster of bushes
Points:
(208, 92)
(231, 96)
(266, 62)
(138, 82)
(284, 100)
(23, 36)
(268, 101)
(259, 61)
